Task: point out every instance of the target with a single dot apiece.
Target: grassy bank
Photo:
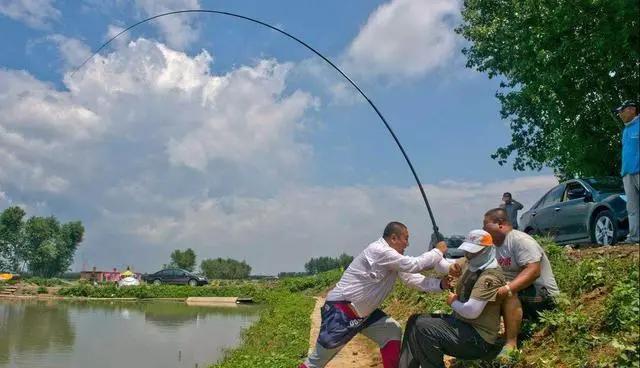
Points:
(280, 338)
(596, 323)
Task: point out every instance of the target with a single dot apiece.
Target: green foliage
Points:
(50, 246)
(225, 269)
(42, 290)
(48, 282)
(254, 291)
(322, 264)
(563, 66)
(184, 259)
(315, 283)
(622, 309)
(43, 244)
(11, 250)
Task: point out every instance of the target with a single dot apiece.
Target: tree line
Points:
(217, 268)
(42, 246)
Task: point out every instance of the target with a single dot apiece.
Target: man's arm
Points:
(518, 205)
(470, 310)
(525, 278)
(395, 261)
(422, 283)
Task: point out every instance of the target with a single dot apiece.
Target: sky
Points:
(209, 132)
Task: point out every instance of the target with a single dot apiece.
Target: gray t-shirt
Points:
(518, 250)
(512, 211)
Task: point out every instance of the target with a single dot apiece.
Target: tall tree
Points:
(563, 65)
(48, 246)
(184, 259)
(11, 250)
(225, 268)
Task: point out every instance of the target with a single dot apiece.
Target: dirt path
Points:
(358, 353)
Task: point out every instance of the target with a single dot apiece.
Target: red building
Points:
(104, 276)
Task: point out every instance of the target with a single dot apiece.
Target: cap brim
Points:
(471, 248)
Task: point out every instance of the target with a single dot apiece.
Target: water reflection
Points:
(39, 334)
(34, 328)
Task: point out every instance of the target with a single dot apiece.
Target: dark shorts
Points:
(339, 324)
(534, 301)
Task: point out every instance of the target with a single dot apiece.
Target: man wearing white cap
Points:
(472, 331)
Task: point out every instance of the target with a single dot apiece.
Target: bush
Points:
(42, 290)
(622, 308)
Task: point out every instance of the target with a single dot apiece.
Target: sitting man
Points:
(352, 306)
(472, 331)
(531, 286)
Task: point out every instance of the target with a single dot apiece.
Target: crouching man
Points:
(472, 331)
(352, 306)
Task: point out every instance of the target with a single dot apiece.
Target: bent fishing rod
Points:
(299, 41)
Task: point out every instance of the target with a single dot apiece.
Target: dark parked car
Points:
(453, 242)
(175, 276)
(589, 210)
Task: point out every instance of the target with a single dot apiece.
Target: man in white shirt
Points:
(352, 306)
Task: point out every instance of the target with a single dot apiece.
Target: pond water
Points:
(52, 334)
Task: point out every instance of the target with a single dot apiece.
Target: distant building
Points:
(105, 276)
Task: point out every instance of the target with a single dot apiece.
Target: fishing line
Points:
(375, 108)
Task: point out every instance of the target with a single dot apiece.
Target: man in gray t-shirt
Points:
(512, 207)
(531, 286)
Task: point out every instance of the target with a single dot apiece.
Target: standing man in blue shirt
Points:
(630, 172)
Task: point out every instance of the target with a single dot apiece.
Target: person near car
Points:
(630, 171)
(512, 207)
(352, 307)
(531, 286)
(471, 332)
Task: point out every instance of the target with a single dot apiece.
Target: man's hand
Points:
(441, 246)
(445, 283)
(455, 270)
(503, 292)
(451, 298)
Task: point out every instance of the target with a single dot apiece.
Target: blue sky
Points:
(213, 133)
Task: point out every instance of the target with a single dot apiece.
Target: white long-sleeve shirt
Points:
(371, 276)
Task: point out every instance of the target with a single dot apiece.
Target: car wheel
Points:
(157, 282)
(604, 230)
(193, 282)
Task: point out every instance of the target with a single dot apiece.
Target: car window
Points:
(572, 186)
(554, 196)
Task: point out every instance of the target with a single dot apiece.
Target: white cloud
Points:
(156, 109)
(114, 30)
(405, 39)
(35, 13)
(73, 51)
(178, 30)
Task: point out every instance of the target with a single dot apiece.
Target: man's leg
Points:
(427, 340)
(320, 357)
(632, 190)
(512, 316)
(386, 332)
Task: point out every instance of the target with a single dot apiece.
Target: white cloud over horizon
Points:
(282, 232)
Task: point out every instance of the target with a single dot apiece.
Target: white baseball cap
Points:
(476, 241)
